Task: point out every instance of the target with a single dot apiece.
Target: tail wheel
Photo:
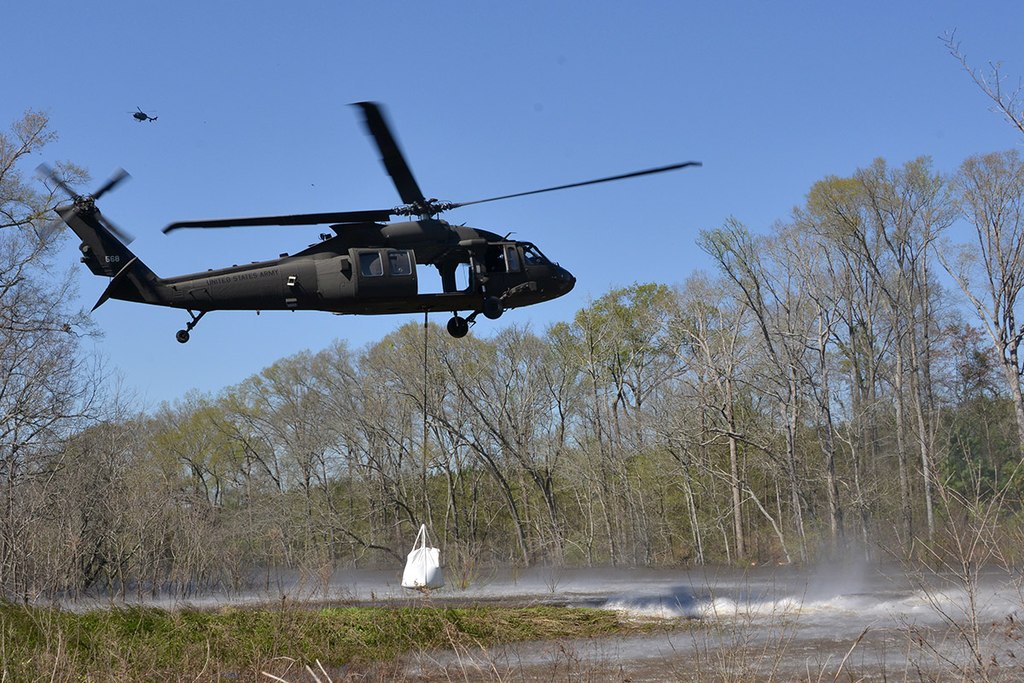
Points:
(182, 335)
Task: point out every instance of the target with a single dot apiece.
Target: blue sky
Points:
(486, 98)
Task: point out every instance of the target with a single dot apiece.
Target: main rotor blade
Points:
(391, 155)
(45, 170)
(124, 236)
(120, 175)
(55, 224)
(294, 219)
(649, 171)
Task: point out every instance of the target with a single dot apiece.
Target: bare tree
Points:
(714, 341)
(989, 193)
(991, 82)
(884, 221)
(764, 284)
(813, 266)
(47, 387)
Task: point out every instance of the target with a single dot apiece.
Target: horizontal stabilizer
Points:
(115, 282)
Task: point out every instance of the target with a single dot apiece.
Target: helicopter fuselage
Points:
(379, 276)
(375, 280)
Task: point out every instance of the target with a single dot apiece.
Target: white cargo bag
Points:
(423, 567)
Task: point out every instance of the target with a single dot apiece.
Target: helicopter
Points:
(141, 116)
(366, 267)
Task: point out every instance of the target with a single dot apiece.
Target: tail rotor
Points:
(85, 203)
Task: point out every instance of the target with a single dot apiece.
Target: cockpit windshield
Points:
(533, 256)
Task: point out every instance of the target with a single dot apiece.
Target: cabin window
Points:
(512, 259)
(462, 277)
(398, 263)
(370, 264)
(494, 259)
(502, 258)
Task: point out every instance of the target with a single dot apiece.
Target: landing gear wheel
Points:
(458, 327)
(493, 308)
(182, 335)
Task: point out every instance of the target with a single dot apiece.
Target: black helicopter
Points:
(141, 116)
(368, 266)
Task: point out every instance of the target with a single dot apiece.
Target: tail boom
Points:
(107, 256)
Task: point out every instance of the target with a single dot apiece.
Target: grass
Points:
(236, 643)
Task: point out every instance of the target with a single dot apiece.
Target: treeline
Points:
(845, 383)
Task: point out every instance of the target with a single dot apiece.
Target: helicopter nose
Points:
(564, 279)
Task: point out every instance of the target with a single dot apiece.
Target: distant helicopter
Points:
(141, 116)
(367, 267)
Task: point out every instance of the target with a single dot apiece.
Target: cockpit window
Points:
(532, 255)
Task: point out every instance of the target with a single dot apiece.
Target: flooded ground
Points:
(845, 622)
